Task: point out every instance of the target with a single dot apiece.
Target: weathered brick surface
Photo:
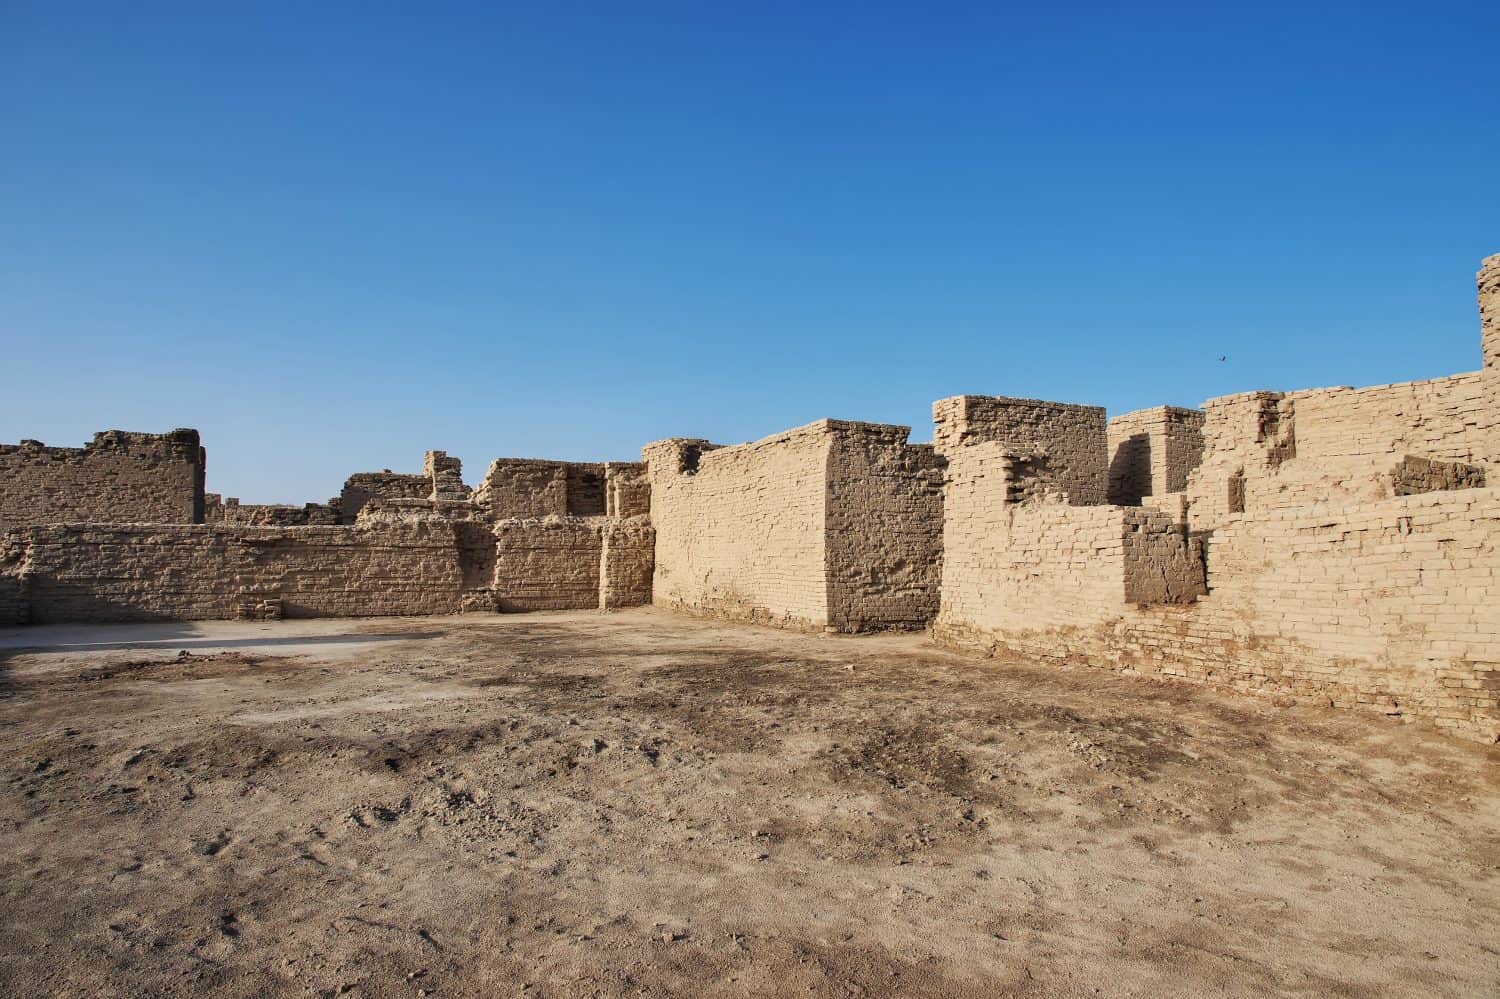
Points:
(627, 489)
(1151, 452)
(229, 510)
(1489, 311)
(362, 487)
(548, 564)
(95, 572)
(1423, 475)
(626, 565)
(531, 487)
(832, 525)
(1075, 438)
(1318, 445)
(1016, 556)
(1386, 606)
(884, 529)
(740, 530)
(117, 478)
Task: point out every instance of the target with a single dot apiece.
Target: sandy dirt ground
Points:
(641, 804)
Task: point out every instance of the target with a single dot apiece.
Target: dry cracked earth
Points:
(642, 804)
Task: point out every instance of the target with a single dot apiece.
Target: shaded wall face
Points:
(1152, 452)
(585, 484)
(740, 531)
(118, 478)
(884, 524)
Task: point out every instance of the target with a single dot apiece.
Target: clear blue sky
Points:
(331, 236)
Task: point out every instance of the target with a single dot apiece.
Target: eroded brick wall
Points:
(1319, 445)
(884, 528)
(836, 524)
(1152, 451)
(1018, 557)
(531, 487)
(1386, 606)
(740, 531)
(1489, 312)
(362, 487)
(548, 564)
(627, 562)
(95, 572)
(1075, 438)
(118, 477)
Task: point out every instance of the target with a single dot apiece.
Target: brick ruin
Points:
(1338, 546)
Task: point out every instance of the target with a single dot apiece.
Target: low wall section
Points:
(1386, 606)
(96, 572)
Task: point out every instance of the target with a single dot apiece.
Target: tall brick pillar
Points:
(1489, 311)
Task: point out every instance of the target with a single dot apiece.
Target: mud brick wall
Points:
(547, 564)
(94, 572)
(1043, 564)
(627, 563)
(1386, 606)
(118, 477)
(627, 489)
(444, 475)
(1489, 312)
(1075, 437)
(230, 510)
(529, 487)
(362, 487)
(1422, 475)
(15, 608)
(835, 525)
(1151, 452)
(1322, 445)
(740, 531)
(884, 526)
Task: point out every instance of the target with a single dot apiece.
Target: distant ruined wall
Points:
(627, 489)
(1151, 452)
(362, 487)
(118, 477)
(1338, 546)
(95, 572)
(530, 487)
(1075, 437)
(229, 510)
